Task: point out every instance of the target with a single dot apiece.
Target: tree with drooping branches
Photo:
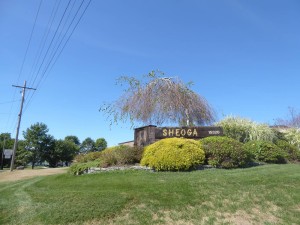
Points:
(158, 100)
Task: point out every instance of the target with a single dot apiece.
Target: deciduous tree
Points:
(66, 150)
(73, 138)
(38, 142)
(100, 144)
(157, 100)
(88, 145)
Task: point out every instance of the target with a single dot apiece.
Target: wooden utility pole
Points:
(19, 122)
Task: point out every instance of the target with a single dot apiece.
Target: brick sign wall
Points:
(147, 135)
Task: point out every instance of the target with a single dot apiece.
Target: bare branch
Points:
(292, 120)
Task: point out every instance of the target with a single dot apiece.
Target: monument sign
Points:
(147, 135)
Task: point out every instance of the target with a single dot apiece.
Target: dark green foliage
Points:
(293, 153)
(40, 144)
(100, 144)
(278, 135)
(88, 145)
(73, 139)
(265, 151)
(225, 152)
(66, 150)
(22, 155)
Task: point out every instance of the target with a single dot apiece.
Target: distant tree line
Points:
(40, 148)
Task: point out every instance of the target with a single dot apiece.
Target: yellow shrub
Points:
(173, 154)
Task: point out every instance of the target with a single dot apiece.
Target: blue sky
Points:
(243, 57)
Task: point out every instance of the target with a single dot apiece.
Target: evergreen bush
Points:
(224, 152)
(292, 152)
(173, 154)
(265, 151)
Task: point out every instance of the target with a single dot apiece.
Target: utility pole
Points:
(19, 122)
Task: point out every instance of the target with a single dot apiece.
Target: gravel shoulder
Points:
(16, 175)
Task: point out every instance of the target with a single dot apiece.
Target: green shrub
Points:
(173, 154)
(245, 130)
(224, 152)
(80, 168)
(265, 151)
(129, 155)
(121, 155)
(117, 155)
(292, 152)
(91, 156)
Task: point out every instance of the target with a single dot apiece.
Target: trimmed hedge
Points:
(265, 151)
(173, 154)
(225, 152)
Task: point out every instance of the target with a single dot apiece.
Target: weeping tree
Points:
(158, 100)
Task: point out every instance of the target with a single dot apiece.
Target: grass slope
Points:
(261, 195)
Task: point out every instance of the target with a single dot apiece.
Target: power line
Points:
(48, 65)
(23, 62)
(51, 42)
(44, 40)
(30, 38)
(55, 55)
(2, 103)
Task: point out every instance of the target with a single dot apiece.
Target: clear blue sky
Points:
(243, 57)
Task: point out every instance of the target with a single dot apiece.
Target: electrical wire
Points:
(48, 65)
(31, 34)
(43, 41)
(51, 42)
(55, 56)
(47, 54)
(2, 103)
(22, 65)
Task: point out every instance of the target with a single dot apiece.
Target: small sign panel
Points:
(7, 153)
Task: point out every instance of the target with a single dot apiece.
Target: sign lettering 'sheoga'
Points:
(179, 132)
(147, 135)
(187, 132)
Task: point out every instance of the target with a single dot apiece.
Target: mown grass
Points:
(267, 194)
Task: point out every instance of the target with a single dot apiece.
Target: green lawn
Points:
(267, 194)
